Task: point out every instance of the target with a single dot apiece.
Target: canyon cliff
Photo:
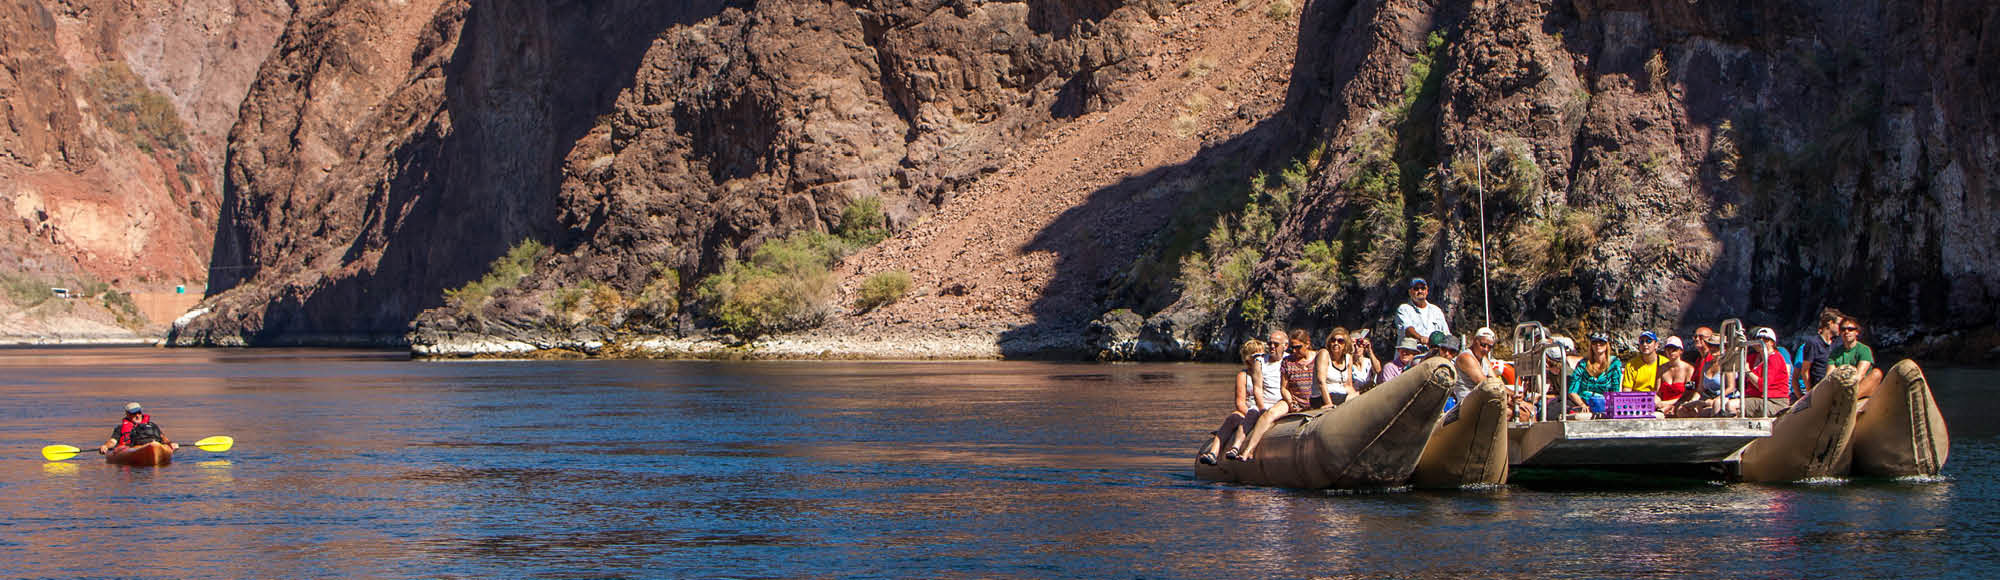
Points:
(1118, 179)
(116, 118)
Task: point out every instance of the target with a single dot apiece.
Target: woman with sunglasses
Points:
(1595, 379)
(1335, 370)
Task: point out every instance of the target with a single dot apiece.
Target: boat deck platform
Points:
(1604, 442)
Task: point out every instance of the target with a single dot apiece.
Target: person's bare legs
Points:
(1263, 424)
(1232, 427)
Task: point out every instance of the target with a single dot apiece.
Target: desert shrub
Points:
(659, 299)
(1279, 10)
(1543, 246)
(1424, 76)
(883, 289)
(505, 272)
(1319, 279)
(785, 285)
(862, 222)
(136, 111)
(25, 291)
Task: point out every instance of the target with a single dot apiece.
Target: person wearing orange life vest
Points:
(136, 429)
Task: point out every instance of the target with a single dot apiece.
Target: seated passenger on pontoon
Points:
(1599, 375)
(1252, 398)
(1407, 350)
(1770, 374)
(1852, 353)
(1674, 375)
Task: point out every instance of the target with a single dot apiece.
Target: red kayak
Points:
(154, 453)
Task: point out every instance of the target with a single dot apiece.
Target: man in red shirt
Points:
(1769, 375)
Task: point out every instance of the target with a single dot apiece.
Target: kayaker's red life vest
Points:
(131, 434)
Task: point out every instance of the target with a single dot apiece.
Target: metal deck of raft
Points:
(1632, 441)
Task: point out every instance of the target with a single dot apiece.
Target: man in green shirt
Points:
(1852, 352)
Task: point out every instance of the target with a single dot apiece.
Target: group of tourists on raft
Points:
(1289, 373)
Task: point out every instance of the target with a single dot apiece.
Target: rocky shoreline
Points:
(1106, 340)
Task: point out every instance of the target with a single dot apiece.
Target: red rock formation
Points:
(115, 116)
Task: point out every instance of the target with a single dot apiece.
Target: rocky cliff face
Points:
(115, 120)
(1643, 164)
(1652, 165)
(351, 214)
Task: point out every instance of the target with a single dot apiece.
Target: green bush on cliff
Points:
(883, 289)
(785, 285)
(862, 222)
(505, 272)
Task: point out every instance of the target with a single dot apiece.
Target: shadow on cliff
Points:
(1096, 241)
(524, 83)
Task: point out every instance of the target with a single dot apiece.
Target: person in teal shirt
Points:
(1596, 376)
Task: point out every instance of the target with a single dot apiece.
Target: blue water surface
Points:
(358, 464)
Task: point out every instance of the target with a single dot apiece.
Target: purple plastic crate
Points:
(1630, 405)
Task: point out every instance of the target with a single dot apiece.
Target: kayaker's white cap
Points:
(1765, 332)
(131, 408)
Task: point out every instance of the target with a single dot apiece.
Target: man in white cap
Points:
(1420, 317)
(1768, 388)
(136, 429)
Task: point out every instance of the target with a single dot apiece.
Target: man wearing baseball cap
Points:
(136, 429)
(1769, 376)
(1642, 368)
(1420, 317)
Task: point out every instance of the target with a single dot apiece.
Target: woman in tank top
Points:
(1300, 377)
(1335, 369)
(1674, 375)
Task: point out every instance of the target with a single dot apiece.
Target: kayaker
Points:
(136, 429)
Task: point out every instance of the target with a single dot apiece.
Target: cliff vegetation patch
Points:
(788, 284)
(507, 271)
(136, 111)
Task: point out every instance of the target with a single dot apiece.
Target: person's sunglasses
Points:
(1850, 329)
(1483, 344)
(1339, 341)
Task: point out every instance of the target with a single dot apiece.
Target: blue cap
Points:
(1648, 335)
(1415, 282)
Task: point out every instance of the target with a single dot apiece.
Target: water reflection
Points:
(360, 464)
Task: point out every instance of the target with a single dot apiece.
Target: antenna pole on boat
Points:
(1479, 183)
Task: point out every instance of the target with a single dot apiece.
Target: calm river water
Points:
(365, 465)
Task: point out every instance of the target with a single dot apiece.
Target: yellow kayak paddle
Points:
(216, 444)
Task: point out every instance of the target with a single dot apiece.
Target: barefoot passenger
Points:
(1251, 399)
